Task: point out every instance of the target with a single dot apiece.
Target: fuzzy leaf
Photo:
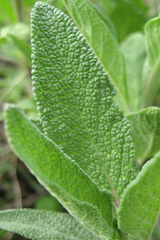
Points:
(74, 98)
(103, 42)
(59, 174)
(140, 204)
(145, 127)
(40, 225)
(133, 48)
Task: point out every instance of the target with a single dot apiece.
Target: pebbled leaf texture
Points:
(145, 126)
(74, 99)
(100, 37)
(44, 225)
(140, 205)
(59, 174)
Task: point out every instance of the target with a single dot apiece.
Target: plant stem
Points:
(19, 10)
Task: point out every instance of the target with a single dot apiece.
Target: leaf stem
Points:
(19, 10)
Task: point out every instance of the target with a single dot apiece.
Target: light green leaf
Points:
(24, 47)
(133, 48)
(103, 42)
(19, 30)
(152, 35)
(74, 98)
(140, 204)
(7, 12)
(59, 174)
(152, 29)
(145, 127)
(43, 225)
(127, 17)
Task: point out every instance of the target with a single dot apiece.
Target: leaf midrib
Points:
(116, 198)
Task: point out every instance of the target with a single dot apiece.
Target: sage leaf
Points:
(74, 98)
(140, 203)
(153, 49)
(145, 126)
(101, 39)
(59, 174)
(134, 51)
(40, 225)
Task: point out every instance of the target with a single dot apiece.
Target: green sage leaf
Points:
(140, 203)
(153, 48)
(74, 98)
(133, 48)
(41, 224)
(145, 127)
(59, 174)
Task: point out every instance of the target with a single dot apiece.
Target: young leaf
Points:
(153, 40)
(59, 174)
(140, 204)
(145, 127)
(41, 224)
(152, 29)
(133, 48)
(74, 98)
(103, 42)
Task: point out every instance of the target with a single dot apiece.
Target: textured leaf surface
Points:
(103, 42)
(145, 127)
(152, 30)
(59, 174)
(133, 48)
(74, 98)
(140, 204)
(44, 225)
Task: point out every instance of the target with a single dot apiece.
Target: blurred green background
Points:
(18, 188)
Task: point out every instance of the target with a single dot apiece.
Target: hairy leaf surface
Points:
(145, 127)
(133, 48)
(74, 98)
(104, 44)
(59, 174)
(44, 225)
(140, 204)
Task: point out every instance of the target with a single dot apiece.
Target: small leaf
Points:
(145, 127)
(140, 203)
(43, 225)
(74, 98)
(133, 48)
(152, 29)
(59, 174)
